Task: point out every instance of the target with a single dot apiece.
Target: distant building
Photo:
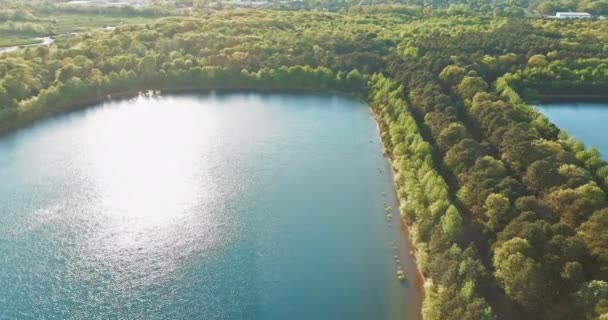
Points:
(247, 4)
(573, 15)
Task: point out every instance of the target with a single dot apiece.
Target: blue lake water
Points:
(236, 206)
(584, 121)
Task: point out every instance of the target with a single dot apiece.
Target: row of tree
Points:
(456, 275)
(557, 195)
(78, 92)
(233, 40)
(553, 6)
(566, 77)
(533, 200)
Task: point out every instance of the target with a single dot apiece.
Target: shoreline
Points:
(47, 112)
(417, 281)
(541, 98)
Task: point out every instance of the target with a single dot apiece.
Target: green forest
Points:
(508, 214)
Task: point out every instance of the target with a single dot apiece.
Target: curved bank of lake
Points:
(235, 206)
(585, 121)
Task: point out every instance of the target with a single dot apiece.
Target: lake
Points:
(202, 206)
(584, 121)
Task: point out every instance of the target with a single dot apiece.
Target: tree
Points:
(451, 75)
(469, 86)
(451, 223)
(148, 65)
(541, 176)
(463, 155)
(590, 296)
(498, 210)
(355, 82)
(451, 135)
(518, 273)
(573, 273)
(6, 100)
(597, 7)
(593, 232)
(538, 60)
(547, 7)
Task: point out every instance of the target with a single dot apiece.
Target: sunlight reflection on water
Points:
(159, 198)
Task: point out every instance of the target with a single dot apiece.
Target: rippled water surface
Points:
(588, 122)
(239, 206)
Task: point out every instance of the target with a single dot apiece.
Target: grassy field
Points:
(66, 23)
(80, 23)
(8, 40)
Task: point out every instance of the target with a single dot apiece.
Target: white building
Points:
(573, 15)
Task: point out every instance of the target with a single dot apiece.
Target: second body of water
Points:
(588, 122)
